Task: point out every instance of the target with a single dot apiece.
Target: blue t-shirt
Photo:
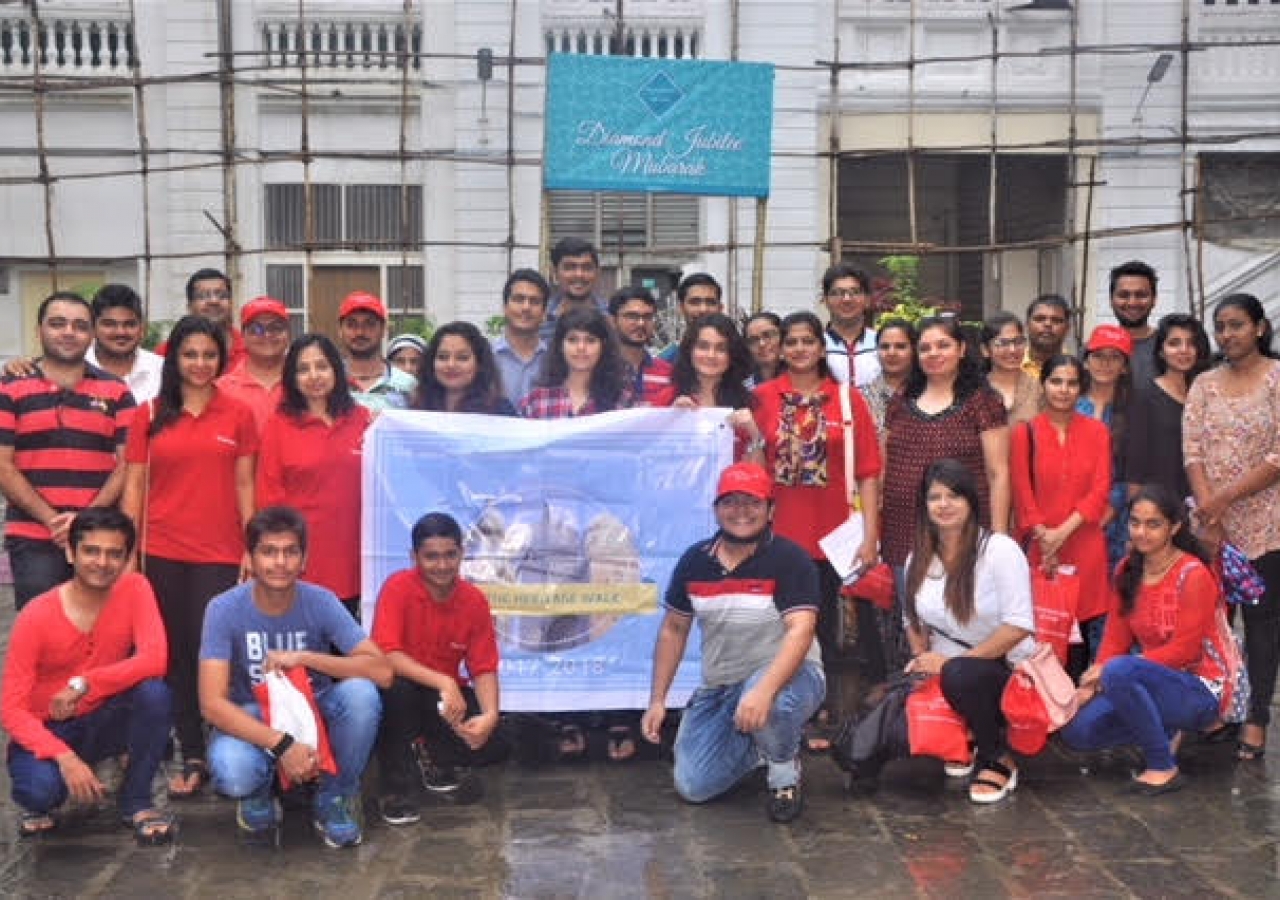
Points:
(237, 631)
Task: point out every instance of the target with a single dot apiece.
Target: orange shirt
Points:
(190, 509)
(315, 468)
(262, 401)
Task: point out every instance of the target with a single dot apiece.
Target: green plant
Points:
(419, 325)
(494, 324)
(898, 297)
(157, 332)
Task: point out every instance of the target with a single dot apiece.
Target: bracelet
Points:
(756, 445)
(282, 746)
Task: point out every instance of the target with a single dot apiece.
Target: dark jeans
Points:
(1262, 639)
(135, 722)
(183, 590)
(866, 654)
(973, 687)
(37, 566)
(409, 712)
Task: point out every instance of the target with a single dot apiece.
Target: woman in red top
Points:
(189, 489)
(1061, 468)
(1167, 605)
(799, 418)
(711, 369)
(310, 460)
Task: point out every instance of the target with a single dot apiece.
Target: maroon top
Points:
(916, 440)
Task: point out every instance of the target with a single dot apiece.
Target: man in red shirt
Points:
(634, 312)
(83, 681)
(428, 622)
(255, 380)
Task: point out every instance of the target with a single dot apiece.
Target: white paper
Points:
(842, 545)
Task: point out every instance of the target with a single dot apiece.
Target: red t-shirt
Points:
(805, 514)
(125, 647)
(315, 468)
(262, 401)
(438, 634)
(190, 509)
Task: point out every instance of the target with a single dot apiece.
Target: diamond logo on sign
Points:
(659, 94)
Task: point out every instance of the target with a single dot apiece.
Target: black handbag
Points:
(877, 734)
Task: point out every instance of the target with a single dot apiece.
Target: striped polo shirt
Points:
(741, 612)
(64, 440)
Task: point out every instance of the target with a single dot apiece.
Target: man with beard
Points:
(62, 431)
(118, 330)
(756, 597)
(1133, 297)
(375, 383)
(520, 349)
(697, 295)
(634, 312)
(1048, 319)
(576, 266)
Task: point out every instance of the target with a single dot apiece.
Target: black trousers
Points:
(974, 687)
(37, 566)
(409, 712)
(1262, 639)
(183, 590)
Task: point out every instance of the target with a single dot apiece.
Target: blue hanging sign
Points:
(658, 125)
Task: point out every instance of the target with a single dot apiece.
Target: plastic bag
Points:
(934, 728)
(289, 705)
(1055, 600)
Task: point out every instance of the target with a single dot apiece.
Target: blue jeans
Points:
(712, 755)
(1142, 704)
(136, 722)
(351, 710)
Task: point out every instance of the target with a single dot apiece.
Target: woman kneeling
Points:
(968, 610)
(1167, 607)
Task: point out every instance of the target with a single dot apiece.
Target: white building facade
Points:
(1049, 143)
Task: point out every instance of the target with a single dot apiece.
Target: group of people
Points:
(227, 470)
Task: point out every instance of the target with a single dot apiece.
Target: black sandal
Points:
(572, 744)
(191, 768)
(32, 824)
(622, 744)
(1247, 752)
(152, 827)
(1001, 790)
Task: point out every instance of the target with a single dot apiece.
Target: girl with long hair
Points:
(1107, 358)
(189, 489)
(1061, 467)
(1166, 606)
(1231, 444)
(310, 459)
(763, 334)
(460, 374)
(584, 371)
(969, 617)
(711, 370)
(896, 351)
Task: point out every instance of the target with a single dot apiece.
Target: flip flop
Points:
(572, 744)
(35, 824)
(1247, 752)
(622, 744)
(196, 768)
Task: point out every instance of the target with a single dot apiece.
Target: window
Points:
(1240, 205)
(367, 216)
(630, 222)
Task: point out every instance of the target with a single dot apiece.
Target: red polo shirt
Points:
(315, 468)
(190, 509)
(439, 634)
(262, 401)
(125, 646)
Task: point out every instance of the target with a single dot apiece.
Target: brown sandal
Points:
(191, 768)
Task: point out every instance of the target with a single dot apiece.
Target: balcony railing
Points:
(79, 46)
(357, 45)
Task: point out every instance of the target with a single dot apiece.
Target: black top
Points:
(1154, 453)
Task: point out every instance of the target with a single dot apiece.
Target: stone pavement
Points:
(603, 831)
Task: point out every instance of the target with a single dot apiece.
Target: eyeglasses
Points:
(264, 329)
(1009, 343)
(211, 295)
(764, 337)
(637, 317)
(846, 293)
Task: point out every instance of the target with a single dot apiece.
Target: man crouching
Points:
(274, 622)
(756, 596)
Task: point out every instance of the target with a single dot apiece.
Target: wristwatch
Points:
(79, 684)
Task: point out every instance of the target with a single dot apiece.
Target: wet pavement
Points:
(597, 830)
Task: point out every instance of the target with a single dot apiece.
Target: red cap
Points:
(1110, 337)
(360, 301)
(262, 306)
(745, 478)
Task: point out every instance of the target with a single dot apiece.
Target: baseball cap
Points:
(1110, 337)
(745, 478)
(263, 306)
(360, 301)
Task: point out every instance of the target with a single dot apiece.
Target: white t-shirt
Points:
(144, 379)
(1001, 596)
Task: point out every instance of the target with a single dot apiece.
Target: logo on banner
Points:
(660, 94)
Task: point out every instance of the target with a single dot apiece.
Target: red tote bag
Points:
(1055, 599)
(933, 727)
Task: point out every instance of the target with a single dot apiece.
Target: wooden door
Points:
(329, 285)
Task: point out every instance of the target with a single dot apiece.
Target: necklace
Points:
(1153, 572)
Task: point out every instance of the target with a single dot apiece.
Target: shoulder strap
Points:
(1031, 453)
(845, 390)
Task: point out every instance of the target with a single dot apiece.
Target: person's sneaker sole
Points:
(333, 844)
(466, 790)
(402, 816)
(270, 836)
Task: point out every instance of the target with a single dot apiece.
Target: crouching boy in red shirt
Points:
(429, 621)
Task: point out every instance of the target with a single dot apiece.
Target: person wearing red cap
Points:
(255, 380)
(375, 383)
(755, 595)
